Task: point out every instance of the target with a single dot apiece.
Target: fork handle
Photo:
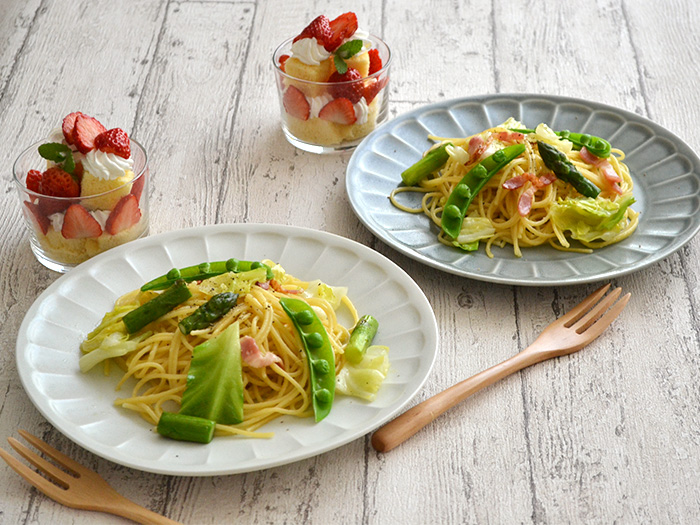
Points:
(121, 506)
(407, 424)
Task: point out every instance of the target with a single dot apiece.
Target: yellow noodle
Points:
(500, 205)
(160, 363)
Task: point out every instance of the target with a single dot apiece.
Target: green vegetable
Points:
(596, 145)
(239, 283)
(115, 344)
(111, 323)
(58, 153)
(344, 52)
(590, 219)
(364, 379)
(433, 160)
(211, 311)
(215, 382)
(203, 271)
(186, 428)
(319, 353)
(361, 338)
(333, 294)
(462, 194)
(157, 307)
(559, 163)
(472, 231)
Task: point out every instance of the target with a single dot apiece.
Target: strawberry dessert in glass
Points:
(82, 191)
(332, 83)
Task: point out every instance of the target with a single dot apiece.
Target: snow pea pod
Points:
(559, 163)
(203, 271)
(462, 194)
(319, 353)
(596, 145)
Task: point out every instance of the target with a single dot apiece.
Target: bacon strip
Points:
(477, 146)
(525, 201)
(510, 137)
(528, 196)
(251, 354)
(605, 168)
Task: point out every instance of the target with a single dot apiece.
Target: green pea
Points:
(314, 340)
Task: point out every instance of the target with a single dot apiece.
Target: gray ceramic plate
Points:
(666, 173)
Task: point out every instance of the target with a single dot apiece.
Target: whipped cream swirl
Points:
(309, 51)
(106, 165)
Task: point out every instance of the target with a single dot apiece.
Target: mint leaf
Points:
(340, 65)
(58, 153)
(349, 49)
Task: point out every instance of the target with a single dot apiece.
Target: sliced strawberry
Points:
(78, 171)
(346, 85)
(295, 103)
(341, 28)
(114, 141)
(375, 61)
(79, 224)
(320, 29)
(40, 220)
(69, 125)
(282, 59)
(137, 186)
(57, 183)
(33, 180)
(339, 110)
(85, 131)
(124, 215)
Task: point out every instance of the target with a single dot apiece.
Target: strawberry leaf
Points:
(58, 153)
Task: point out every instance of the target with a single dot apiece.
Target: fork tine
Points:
(577, 311)
(54, 454)
(601, 324)
(596, 311)
(40, 482)
(58, 475)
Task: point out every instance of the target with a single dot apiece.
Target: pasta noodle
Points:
(508, 226)
(160, 363)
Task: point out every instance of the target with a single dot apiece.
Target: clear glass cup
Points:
(318, 132)
(122, 213)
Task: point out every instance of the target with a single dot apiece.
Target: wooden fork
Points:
(81, 488)
(569, 333)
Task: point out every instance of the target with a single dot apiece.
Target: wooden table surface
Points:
(608, 435)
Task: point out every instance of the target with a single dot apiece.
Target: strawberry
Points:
(375, 61)
(56, 183)
(78, 171)
(137, 186)
(282, 59)
(295, 103)
(345, 87)
(373, 86)
(69, 125)
(40, 220)
(85, 131)
(114, 141)
(124, 215)
(320, 29)
(79, 224)
(341, 28)
(339, 110)
(33, 181)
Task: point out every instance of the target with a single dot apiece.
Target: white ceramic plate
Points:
(81, 405)
(666, 174)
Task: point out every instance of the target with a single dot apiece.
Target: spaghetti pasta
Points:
(158, 364)
(524, 204)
